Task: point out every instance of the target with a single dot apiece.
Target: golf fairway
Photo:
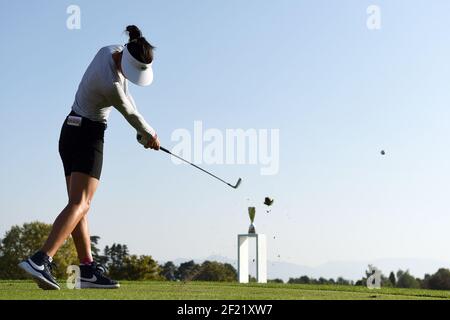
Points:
(149, 290)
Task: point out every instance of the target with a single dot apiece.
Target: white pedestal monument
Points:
(261, 257)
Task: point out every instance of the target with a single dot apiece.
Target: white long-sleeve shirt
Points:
(103, 87)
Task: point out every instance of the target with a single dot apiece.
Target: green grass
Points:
(213, 291)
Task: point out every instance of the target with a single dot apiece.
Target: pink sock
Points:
(86, 261)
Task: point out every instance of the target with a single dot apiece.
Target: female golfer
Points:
(103, 85)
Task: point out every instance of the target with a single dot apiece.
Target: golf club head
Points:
(238, 183)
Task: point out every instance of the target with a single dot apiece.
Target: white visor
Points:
(137, 72)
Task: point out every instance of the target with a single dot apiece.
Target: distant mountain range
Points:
(351, 270)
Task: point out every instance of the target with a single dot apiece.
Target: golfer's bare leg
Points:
(81, 236)
(81, 192)
(82, 240)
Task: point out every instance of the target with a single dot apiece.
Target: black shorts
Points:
(81, 147)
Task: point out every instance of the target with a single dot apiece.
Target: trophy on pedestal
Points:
(251, 214)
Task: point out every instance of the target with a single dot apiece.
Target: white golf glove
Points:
(142, 140)
(146, 142)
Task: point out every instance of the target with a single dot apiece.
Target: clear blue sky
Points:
(338, 92)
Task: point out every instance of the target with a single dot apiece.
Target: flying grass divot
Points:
(268, 202)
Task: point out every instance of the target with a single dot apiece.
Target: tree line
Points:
(401, 279)
(440, 280)
(22, 241)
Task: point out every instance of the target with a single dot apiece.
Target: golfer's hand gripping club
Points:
(152, 143)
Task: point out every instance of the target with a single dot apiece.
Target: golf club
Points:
(233, 186)
(212, 175)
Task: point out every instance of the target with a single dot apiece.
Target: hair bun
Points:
(138, 46)
(133, 32)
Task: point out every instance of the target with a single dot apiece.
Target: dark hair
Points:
(138, 46)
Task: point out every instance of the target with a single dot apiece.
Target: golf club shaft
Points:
(212, 175)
